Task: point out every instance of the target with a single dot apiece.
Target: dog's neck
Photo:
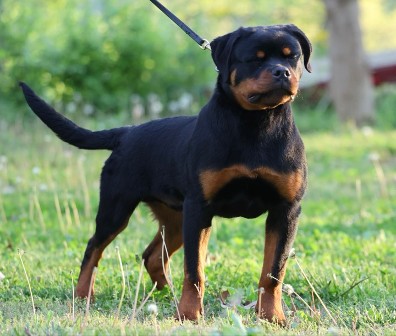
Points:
(268, 120)
(221, 115)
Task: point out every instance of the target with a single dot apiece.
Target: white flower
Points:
(2, 276)
(334, 331)
(367, 131)
(3, 162)
(8, 190)
(288, 289)
(374, 156)
(152, 309)
(88, 109)
(36, 170)
(43, 187)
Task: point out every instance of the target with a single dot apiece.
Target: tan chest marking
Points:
(288, 185)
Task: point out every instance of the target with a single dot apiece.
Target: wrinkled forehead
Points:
(266, 39)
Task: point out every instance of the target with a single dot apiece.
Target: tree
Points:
(351, 88)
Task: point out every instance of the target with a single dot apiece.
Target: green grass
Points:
(346, 244)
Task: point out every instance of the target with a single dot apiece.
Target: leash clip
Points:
(205, 45)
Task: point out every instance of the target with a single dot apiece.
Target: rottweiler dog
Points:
(241, 156)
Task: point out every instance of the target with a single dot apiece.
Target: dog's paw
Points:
(188, 314)
(83, 293)
(272, 314)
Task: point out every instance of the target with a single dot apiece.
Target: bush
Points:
(98, 54)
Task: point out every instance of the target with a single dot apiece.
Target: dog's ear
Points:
(221, 51)
(306, 45)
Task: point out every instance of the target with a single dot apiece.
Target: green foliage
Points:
(114, 55)
(386, 102)
(102, 51)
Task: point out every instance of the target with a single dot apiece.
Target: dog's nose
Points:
(280, 72)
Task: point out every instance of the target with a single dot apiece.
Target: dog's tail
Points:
(68, 131)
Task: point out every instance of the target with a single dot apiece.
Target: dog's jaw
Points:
(263, 92)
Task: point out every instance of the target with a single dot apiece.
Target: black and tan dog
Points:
(241, 156)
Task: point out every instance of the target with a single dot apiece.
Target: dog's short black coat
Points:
(241, 156)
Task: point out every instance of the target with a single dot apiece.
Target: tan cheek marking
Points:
(288, 185)
(241, 92)
(286, 51)
(260, 54)
(250, 86)
(233, 77)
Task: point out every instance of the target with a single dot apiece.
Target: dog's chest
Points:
(241, 191)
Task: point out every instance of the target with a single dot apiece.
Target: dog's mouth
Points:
(272, 98)
(254, 99)
(264, 92)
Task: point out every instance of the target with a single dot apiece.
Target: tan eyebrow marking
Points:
(260, 54)
(286, 51)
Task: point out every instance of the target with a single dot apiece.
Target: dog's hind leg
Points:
(107, 228)
(115, 209)
(155, 256)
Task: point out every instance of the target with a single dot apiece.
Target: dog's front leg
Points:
(280, 232)
(196, 233)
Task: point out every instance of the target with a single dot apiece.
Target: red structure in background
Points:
(382, 65)
(384, 74)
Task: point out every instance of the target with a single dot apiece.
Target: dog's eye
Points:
(293, 56)
(254, 61)
(288, 53)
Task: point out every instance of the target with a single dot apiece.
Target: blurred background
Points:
(126, 57)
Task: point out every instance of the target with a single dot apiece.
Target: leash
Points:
(203, 43)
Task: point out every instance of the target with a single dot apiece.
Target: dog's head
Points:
(261, 66)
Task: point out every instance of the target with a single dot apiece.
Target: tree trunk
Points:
(351, 87)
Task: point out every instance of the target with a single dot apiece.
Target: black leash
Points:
(204, 44)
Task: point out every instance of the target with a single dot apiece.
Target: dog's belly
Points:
(244, 197)
(167, 195)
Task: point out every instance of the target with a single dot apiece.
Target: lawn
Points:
(345, 247)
